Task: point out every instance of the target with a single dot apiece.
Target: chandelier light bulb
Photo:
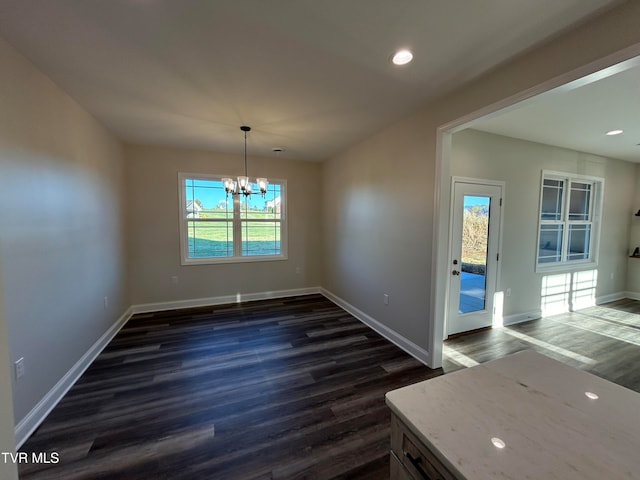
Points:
(244, 186)
(262, 184)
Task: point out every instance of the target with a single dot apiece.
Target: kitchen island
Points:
(525, 416)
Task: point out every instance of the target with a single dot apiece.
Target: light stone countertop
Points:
(538, 407)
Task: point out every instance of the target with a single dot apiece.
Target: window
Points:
(570, 208)
(216, 227)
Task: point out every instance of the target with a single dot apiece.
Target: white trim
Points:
(617, 62)
(632, 295)
(526, 316)
(596, 201)
(608, 65)
(408, 346)
(238, 298)
(220, 260)
(236, 223)
(612, 297)
(521, 317)
(481, 182)
(440, 238)
(36, 416)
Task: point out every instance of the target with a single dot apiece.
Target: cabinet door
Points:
(398, 472)
(419, 462)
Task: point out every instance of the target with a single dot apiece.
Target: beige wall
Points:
(519, 163)
(376, 233)
(633, 274)
(8, 470)
(152, 206)
(61, 236)
(369, 209)
(400, 164)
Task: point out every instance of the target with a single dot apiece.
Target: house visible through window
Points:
(216, 227)
(569, 225)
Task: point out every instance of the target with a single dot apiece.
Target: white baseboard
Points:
(526, 316)
(632, 295)
(612, 297)
(34, 418)
(520, 317)
(408, 346)
(203, 302)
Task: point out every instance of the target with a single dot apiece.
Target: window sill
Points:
(224, 260)
(565, 267)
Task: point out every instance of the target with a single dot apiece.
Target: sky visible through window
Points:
(216, 227)
(212, 195)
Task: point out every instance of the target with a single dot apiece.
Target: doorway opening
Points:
(441, 266)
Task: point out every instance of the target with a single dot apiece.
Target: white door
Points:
(475, 227)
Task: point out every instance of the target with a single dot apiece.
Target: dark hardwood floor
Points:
(281, 389)
(603, 340)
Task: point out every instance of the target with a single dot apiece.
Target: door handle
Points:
(417, 464)
(455, 272)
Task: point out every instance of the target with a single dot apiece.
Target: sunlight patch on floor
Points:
(540, 343)
(458, 357)
(602, 327)
(613, 314)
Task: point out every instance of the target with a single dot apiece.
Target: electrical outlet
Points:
(508, 292)
(19, 368)
(174, 279)
(106, 302)
(298, 270)
(385, 299)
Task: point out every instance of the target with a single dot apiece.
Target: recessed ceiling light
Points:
(402, 57)
(591, 395)
(498, 442)
(614, 132)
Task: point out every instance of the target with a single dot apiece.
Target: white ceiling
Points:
(312, 77)
(578, 117)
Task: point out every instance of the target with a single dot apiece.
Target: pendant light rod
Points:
(245, 129)
(244, 185)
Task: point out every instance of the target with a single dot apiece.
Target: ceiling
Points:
(312, 77)
(577, 116)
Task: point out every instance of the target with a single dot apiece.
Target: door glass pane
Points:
(551, 200)
(579, 236)
(579, 201)
(550, 248)
(475, 236)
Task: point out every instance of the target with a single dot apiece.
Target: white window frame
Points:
(237, 223)
(595, 217)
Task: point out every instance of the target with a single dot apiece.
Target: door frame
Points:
(604, 66)
(474, 181)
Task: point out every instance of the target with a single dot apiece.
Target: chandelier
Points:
(243, 186)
